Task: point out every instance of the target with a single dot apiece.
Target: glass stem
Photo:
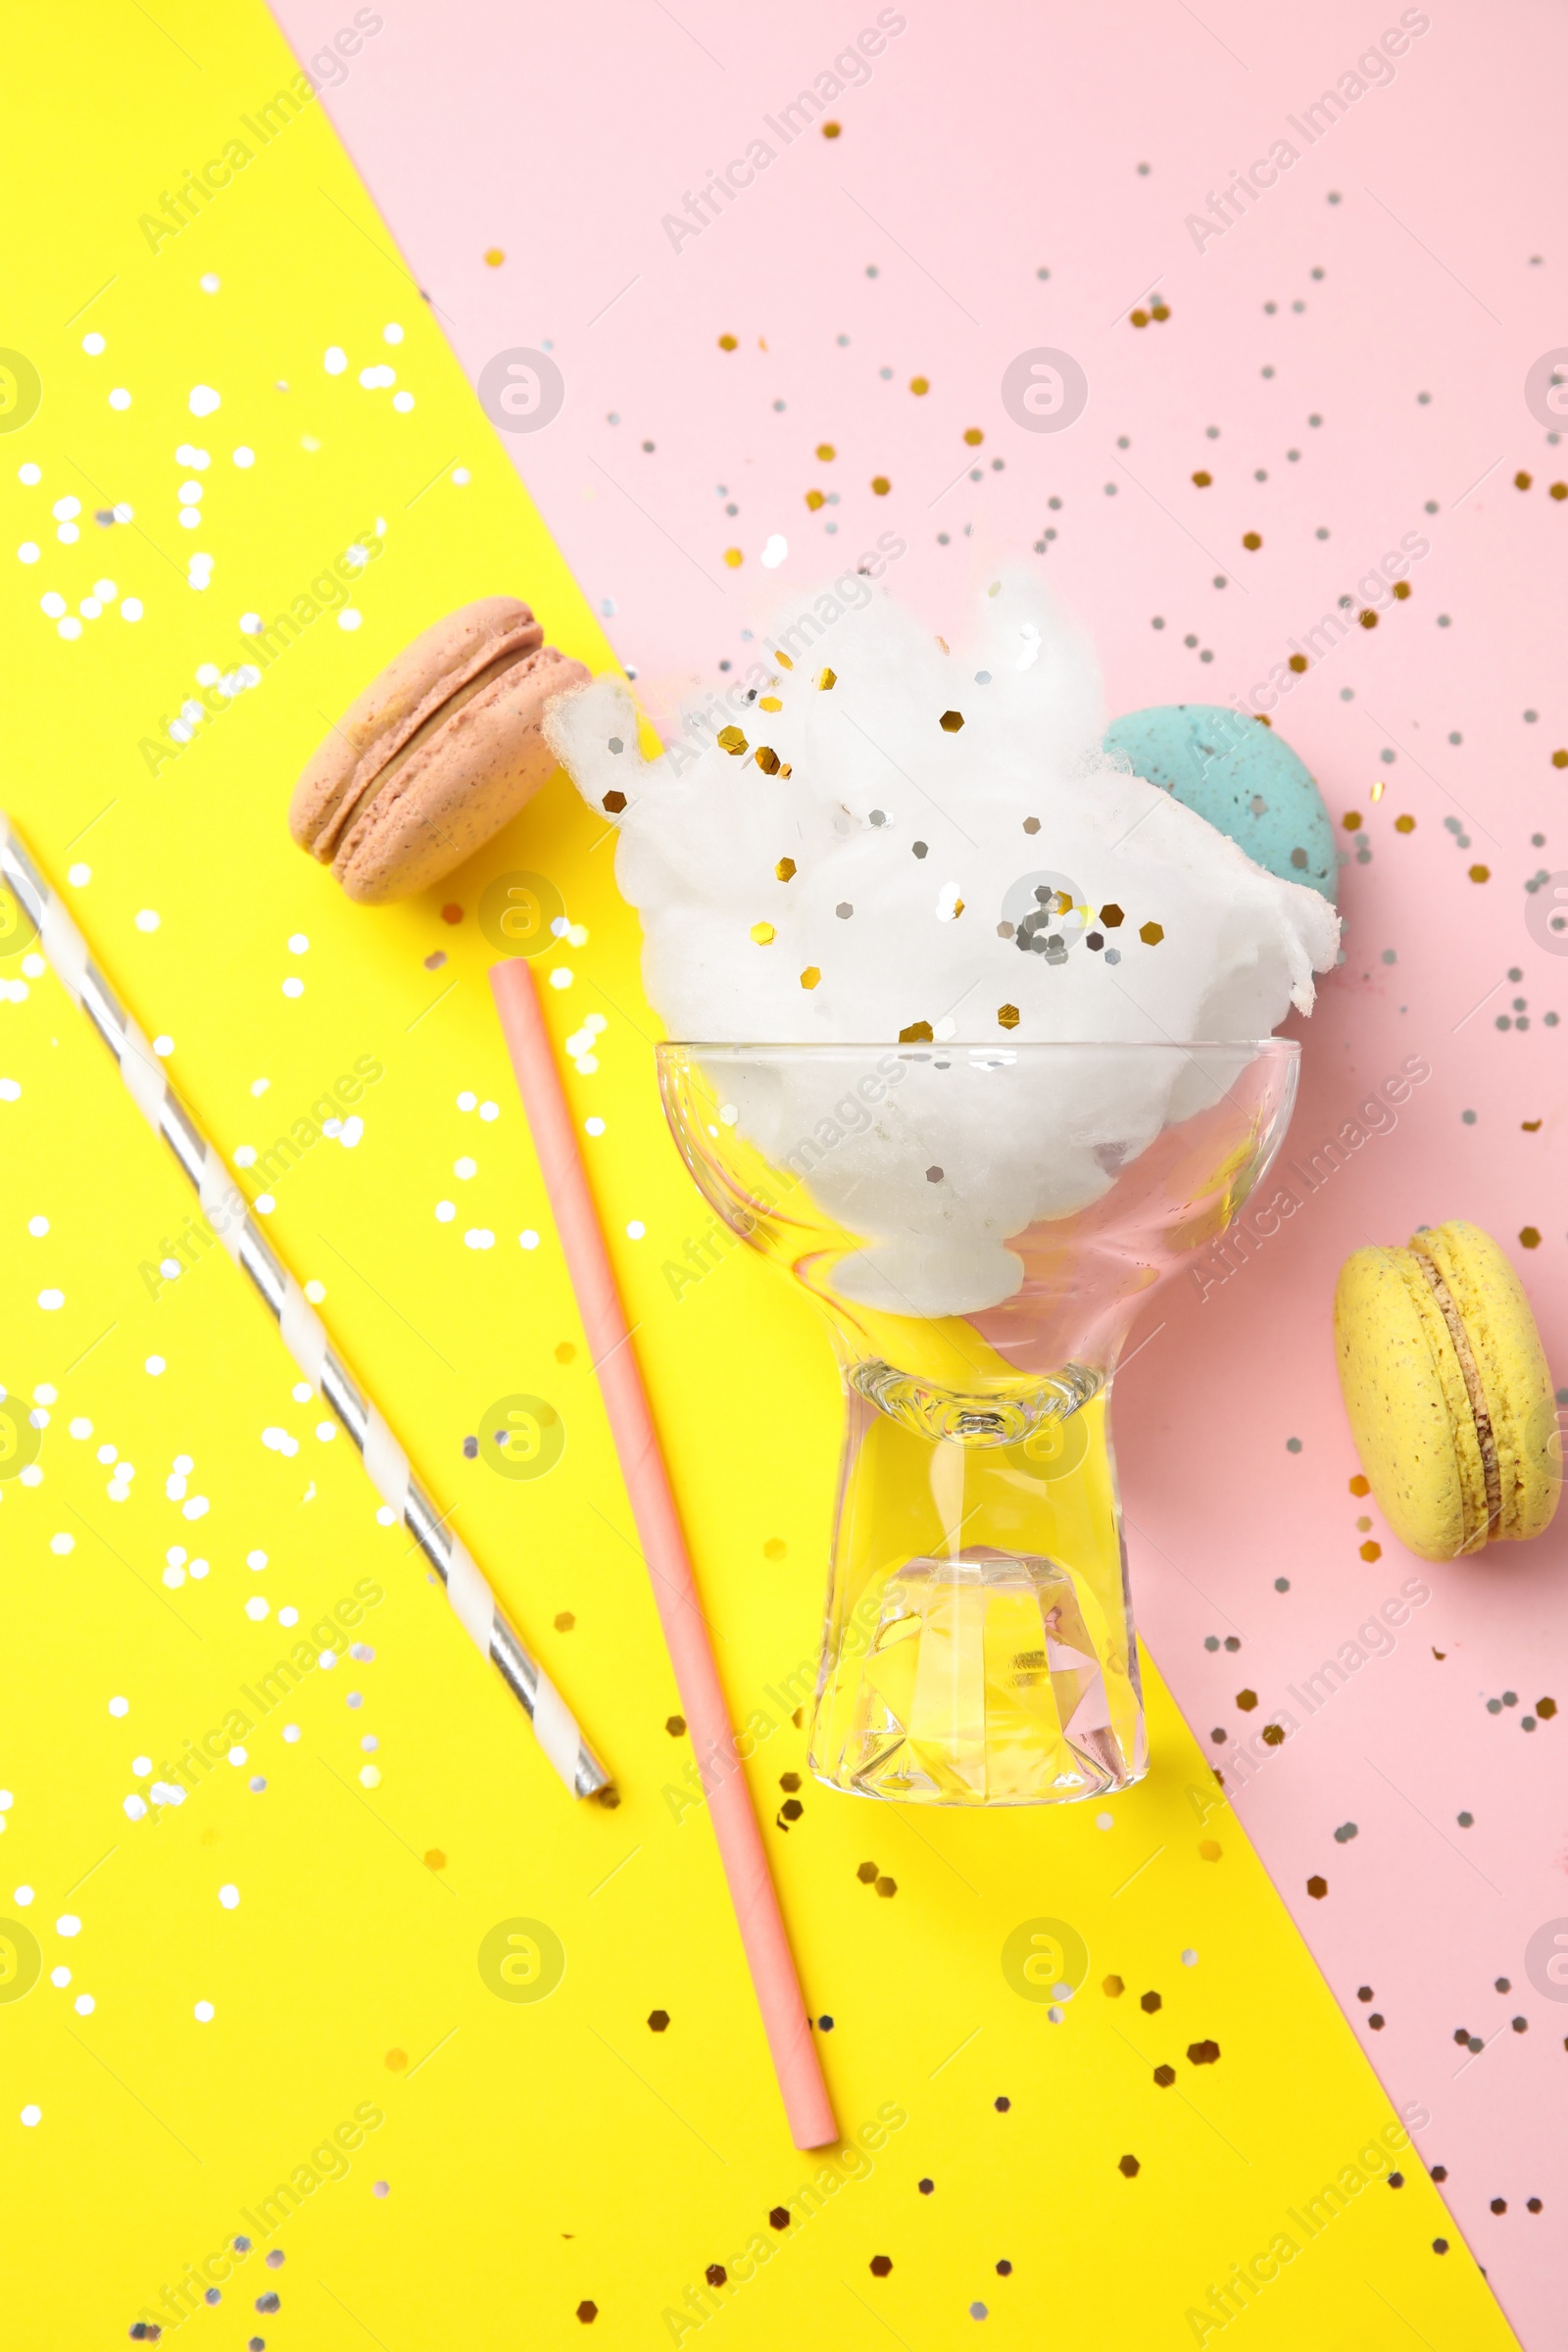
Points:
(979, 1644)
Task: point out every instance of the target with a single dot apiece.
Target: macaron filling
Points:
(1479, 1411)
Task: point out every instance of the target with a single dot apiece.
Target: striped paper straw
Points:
(303, 1332)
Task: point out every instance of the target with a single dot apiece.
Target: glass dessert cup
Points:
(979, 1645)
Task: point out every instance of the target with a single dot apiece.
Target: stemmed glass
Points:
(980, 1226)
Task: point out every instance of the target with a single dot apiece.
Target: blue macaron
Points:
(1237, 774)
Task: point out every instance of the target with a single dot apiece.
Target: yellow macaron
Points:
(1448, 1390)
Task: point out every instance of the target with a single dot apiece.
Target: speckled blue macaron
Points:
(1238, 775)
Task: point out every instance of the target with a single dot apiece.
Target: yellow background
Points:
(541, 2154)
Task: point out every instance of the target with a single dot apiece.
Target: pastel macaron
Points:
(1240, 775)
(1447, 1390)
(439, 752)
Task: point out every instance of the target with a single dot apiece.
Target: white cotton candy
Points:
(887, 883)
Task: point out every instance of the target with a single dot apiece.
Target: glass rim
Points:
(971, 1045)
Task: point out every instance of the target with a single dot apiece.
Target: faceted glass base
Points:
(979, 1647)
(982, 1687)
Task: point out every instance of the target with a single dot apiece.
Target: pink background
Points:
(1396, 285)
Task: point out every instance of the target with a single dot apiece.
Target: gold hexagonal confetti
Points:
(951, 721)
(1007, 1015)
(767, 760)
(785, 869)
(811, 976)
(731, 739)
(763, 933)
(1150, 934)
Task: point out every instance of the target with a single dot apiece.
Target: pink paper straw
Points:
(702, 1695)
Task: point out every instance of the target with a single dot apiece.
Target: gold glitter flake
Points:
(918, 1033)
(786, 769)
(1203, 478)
(1481, 873)
(828, 681)
(920, 385)
(1351, 820)
(1251, 542)
(1150, 934)
(974, 436)
(785, 870)
(783, 659)
(763, 933)
(826, 452)
(832, 131)
(1008, 1016)
(767, 760)
(1368, 618)
(726, 343)
(731, 739)
(1159, 310)
(1404, 824)
(1111, 918)
(815, 498)
(1402, 589)
(1140, 317)
(770, 701)
(880, 484)
(951, 721)
(733, 558)
(614, 803)
(811, 976)
(1298, 662)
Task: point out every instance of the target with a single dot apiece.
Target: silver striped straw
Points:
(303, 1332)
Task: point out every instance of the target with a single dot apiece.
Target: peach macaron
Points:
(439, 752)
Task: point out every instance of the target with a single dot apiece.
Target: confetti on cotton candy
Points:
(891, 837)
(884, 840)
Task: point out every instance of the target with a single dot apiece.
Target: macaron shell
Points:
(1247, 784)
(458, 788)
(1407, 1405)
(1514, 1373)
(446, 653)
